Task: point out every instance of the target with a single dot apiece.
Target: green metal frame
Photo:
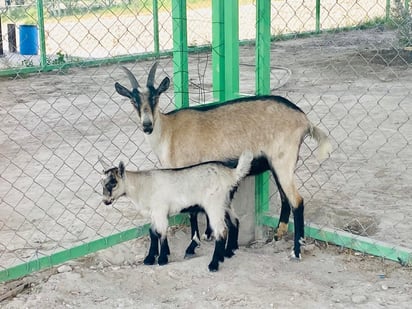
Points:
(156, 27)
(180, 54)
(344, 239)
(225, 49)
(263, 21)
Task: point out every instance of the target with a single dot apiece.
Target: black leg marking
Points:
(190, 250)
(153, 250)
(298, 217)
(208, 232)
(164, 251)
(218, 254)
(233, 235)
(194, 227)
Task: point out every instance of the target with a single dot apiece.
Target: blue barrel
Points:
(29, 40)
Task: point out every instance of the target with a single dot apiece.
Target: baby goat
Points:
(271, 126)
(160, 193)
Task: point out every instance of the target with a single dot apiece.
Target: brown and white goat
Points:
(271, 126)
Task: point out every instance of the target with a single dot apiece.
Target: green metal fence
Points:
(56, 124)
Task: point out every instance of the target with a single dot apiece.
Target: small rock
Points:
(384, 287)
(64, 269)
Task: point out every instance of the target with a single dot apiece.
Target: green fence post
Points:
(388, 10)
(262, 88)
(156, 26)
(42, 37)
(225, 49)
(180, 54)
(218, 50)
(317, 29)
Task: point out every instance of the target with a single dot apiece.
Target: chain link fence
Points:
(356, 84)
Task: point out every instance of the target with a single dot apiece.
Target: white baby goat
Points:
(162, 192)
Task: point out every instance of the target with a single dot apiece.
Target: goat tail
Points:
(324, 146)
(244, 164)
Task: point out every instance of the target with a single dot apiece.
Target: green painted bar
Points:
(156, 26)
(388, 10)
(317, 27)
(263, 35)
(218, 51)
(180, 54)
(351, 241)
(225, 49)
(54, 259)
(42, 38)
(231, 48)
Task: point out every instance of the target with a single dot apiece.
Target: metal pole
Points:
(156, 26)
(262, 88)
(218, 51)
(42, 38)
(388, 10)
(317, 29)
(225, 49)
(180, 54)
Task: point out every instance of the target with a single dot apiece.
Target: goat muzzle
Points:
(148, 128)
(108, 202)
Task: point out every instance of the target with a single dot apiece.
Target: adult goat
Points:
(271, 126)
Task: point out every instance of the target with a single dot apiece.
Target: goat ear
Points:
(121, 169)
(123, 91)
(164, 85)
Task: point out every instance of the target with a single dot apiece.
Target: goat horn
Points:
(133, 80)
(151, 77)
(105, 165)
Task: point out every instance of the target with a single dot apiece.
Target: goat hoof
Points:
(294, 257)
(149, 260)
(189, 255)
(213, 266)
(281, 231)
(229, 253)
(163, 261)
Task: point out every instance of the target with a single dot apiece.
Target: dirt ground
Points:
(344, 84)
(259, 276)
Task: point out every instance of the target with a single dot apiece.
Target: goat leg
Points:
(299, 238)
(190, 250)
(153, 249)
(164, 251)
(218, 254)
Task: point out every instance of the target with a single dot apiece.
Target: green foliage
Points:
(27, 63)
(60, 59)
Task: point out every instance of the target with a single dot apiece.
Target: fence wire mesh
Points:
(355, 84)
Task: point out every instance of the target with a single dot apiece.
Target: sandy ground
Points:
(260, 276)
